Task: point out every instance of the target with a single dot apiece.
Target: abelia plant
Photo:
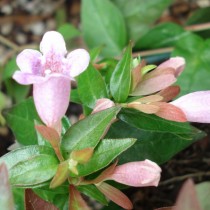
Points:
(130, 116)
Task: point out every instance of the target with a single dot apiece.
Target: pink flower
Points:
(160, 78)
(196, 106)
(137, 174)
(50, 72)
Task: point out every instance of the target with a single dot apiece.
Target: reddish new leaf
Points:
(170, 112)
(146, 108)
(115, 195)
(169, 93)
(52, 136)
(76, 202)
(34, 202)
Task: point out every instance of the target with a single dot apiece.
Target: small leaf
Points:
(34, 202)
(91, 81)
(82, 156)
(115, 195)
(106, 151)
(146, 108)
(68, 31)
(93, 192)
(20, 119)
(87, 132)
(61, 175)
(169, 93)
(6, 198)
(76, 202)
(120, 82)
(52, 136)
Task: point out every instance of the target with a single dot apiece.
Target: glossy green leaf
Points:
(36, 170)
(30, 165)
(203, 193)
(140, 14)
(120, 81)
(20, 119)
(94, 53)
(87, 132)
(93, 192)
(74, 97)
(100, 28)
(162, 35)
(154, 145)
(196, 52)
(106, 151)
(91, 86)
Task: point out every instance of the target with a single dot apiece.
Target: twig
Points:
(181, 178)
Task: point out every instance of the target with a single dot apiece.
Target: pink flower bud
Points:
(137, 174)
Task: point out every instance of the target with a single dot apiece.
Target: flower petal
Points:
(170, 112)
(77, 61)
(196, 106)
(53, 41)
(178, 63)
(154, 84)
(137, 174)
(29, 61)
(52, 99)
(27, 78)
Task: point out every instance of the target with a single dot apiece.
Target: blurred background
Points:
(158, 29)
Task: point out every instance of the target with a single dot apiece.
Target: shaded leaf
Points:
(203, 193)
(140, 15)
(100, 28)
(93, 192)
(20, 119)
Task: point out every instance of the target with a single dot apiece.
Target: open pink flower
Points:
(162, 77)
(137, 174)
(50, 73)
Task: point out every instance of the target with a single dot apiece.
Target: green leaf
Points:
(153, 143)
(140, 14)
(20, 119)
(91, 86)
(74, 97)
(30, 165)
(162, 35)
(196, 52)
(94, 53)
(9, 69)
(203, 193)
(120, 81)
(93, 192)
(100, 28)
(68, 31)
(106, 151)
(87, 132)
